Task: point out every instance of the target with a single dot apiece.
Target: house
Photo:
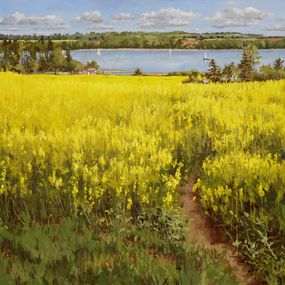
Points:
(88, 70)
(190, 42)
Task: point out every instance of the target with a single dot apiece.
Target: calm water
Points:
(127, 61)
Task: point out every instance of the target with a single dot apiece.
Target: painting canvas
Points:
(142, 142)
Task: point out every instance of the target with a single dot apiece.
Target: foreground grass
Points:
(113, 251)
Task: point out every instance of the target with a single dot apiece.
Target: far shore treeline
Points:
(176, 39)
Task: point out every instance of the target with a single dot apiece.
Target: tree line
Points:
(176, 39)
(102, 35)
(247, 70)
(36, 56)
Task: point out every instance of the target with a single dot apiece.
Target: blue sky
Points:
(69, 16)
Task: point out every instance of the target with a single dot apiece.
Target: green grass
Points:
(113, 250)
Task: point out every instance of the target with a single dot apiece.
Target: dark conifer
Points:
(246, 67)
(278, 63)
(214, 73)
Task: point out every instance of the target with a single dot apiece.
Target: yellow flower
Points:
(168, 199)
(129, 203)
(260, 191)
(241, 193)
(101, 161)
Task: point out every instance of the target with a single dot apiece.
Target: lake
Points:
(125, 61)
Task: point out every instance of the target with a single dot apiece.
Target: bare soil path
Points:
(203, 230)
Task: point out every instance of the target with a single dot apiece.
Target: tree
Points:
(229, 73)
(268, 72)
(93, 64)
(214, 73)
(2, 63)
(278, 63)
(124, 43)
(29, 58)
(50, 45)
(76, 66)
(49, 55)
(71, 65)
(245, 66)
(252, 52)
(68, 62)
(57, 60)
(12, 51)
(15, 55)
(250, 58)
(27, 62)
(5, 48)
(138, 72)
(194, 77)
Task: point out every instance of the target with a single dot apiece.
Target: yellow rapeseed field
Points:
(85, 140)
(77, 145)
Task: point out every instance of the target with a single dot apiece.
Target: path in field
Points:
(203, 230)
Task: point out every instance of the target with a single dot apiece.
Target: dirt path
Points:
(202, 229)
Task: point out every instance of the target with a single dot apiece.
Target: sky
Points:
(70, 16)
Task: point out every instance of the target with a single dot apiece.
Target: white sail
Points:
(99, 52)
(170, 51)
(205, 56)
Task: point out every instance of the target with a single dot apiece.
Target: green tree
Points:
(92, 64)
(250, 59)
(214, 73)
(12, 51)
(5, 50)
(194, 76)
(27, 62)
(41, 49)
(138, 72)
(278, 63)
(69, 67)
(49, 55)
(252, 51)
(76, 66)
(15, 55)
(58, 60)
(268, 72)
(2, 63)
(29, 57)
(229, 73)
(124, 43)
(245, 67)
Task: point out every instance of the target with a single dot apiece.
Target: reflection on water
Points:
(126, 61)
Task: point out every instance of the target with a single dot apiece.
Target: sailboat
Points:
(170, 51)
(205, 56)
(99, 52)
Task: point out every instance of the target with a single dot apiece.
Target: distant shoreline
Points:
(165, 49)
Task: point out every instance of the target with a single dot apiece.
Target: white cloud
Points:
(93, 17)
(100, 26)
(22, 19)
(235, 17)
(9, 29)
(166, 18)
(277, 27)
(235, 1)
(123, 17)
